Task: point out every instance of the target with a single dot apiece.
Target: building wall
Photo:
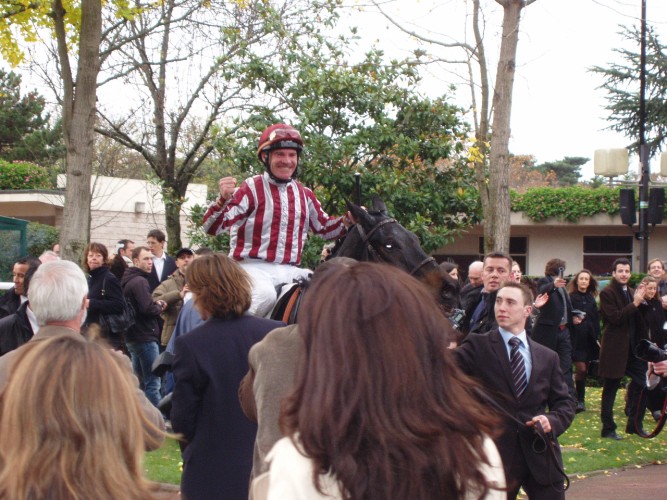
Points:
(120, 208)
(564, 240)
(107, 227)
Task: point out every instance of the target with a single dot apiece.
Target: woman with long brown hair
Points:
(380, 409)
(71, 425)
(583, 290)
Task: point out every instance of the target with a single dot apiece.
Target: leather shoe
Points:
(631, 429)
(581, 406)
(612, 435)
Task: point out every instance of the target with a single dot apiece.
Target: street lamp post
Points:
(643, 234)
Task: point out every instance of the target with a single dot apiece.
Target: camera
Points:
(648, 351)
(456, 317)
(561, 272)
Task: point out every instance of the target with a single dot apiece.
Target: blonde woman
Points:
(71, 425)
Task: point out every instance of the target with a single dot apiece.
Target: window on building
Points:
(600, 252)
(518, 250)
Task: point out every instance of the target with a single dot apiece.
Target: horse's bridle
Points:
(374, 253)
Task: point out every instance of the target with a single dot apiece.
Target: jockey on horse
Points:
(269, 217)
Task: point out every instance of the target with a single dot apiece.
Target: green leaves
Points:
(25, 133)
(23, 175)
(621, 81)
(569, 204)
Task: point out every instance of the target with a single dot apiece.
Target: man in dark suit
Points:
(554, 323)
(479, 316)
(163, 265)
(470, 292)
(618, 310)
(15, 296)
(524, 379)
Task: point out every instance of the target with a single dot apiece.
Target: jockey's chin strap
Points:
(365, 237)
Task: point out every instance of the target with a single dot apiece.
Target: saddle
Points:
(288, 303)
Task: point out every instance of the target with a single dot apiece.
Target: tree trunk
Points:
(497, 211)
(481, 161)
(173, 202)
(78, 123)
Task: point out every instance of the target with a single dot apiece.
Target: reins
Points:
(547, 439)
(659, 425)
(365, 240)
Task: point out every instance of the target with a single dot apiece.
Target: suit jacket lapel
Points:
(500, 351)
(534, 365)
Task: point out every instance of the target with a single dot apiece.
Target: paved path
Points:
(629, 483)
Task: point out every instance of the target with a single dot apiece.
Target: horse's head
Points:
(379, 237)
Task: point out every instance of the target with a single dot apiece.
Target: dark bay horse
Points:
(378, 237)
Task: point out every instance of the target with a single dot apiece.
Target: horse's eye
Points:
(389, 246)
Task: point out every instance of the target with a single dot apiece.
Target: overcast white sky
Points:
(557, 109)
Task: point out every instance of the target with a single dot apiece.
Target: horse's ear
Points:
(379, 206)
(360, 215)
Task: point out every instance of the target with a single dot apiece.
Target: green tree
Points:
(621, 81)
(491, 109)
(72, 24)
(567, 170)
(75, 29)
(25, 133)
(365, 117)
(192, 64)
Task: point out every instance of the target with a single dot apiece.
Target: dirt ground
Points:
(628, 483)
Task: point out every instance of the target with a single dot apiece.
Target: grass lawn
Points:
(583, 449)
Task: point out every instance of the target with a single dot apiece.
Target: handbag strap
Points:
(104, 282)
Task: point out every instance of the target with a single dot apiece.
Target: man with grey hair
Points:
(48, 256)
(58, 296)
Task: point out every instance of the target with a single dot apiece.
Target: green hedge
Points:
(569, 204)
(39, 237)
(23, 175)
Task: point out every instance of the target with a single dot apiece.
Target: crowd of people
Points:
(586, 327)
(373, 393)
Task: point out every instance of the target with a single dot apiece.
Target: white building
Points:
(120, 208)
(592, 243)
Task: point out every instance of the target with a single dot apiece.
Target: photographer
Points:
(554, 323)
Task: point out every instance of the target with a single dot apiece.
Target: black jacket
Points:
(118, 267)
(169, 267)
(650, 321)
(469, 293)
(111, 302)
(9, 303)
(137, 291)
(15, 330)
(487, 321)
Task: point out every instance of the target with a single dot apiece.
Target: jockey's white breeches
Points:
(265, 277)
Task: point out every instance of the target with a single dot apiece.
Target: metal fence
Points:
(13, 245)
